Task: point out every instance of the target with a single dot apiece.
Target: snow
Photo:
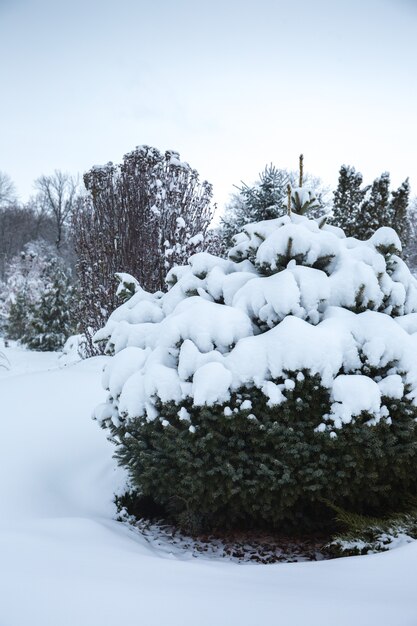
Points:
(386, 237)
(353, 394)
(207, 332)
(211, 384)
(273, 393)
(73, 350)
(183, 414)
(65, 561)
(298, 239)
(392, 386)
(196, 240)
(408, 322)
(126, 281)
(266, 311)
(269, 299)
(124, 365)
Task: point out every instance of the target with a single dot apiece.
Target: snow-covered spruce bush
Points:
(260, 385)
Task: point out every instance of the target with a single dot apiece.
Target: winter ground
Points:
(64, 561)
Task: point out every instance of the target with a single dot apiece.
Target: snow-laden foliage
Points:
(260, 384)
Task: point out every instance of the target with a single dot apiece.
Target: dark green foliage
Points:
(375, 211)
(140, 506)
(17, 319)
(348, 198)
(399, 211)
(360, 211)
(269, 466)
(411, 250)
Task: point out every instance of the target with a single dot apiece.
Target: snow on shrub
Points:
(73, 350)
(257, 386)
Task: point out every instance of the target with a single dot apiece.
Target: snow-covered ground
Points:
(64, 561)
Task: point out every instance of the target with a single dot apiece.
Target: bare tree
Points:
(140, 217)
(20, 224)
(7, 190)
(58, 196)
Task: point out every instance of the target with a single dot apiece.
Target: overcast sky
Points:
(230, 84)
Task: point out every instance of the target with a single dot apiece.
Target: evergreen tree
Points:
(375, 209)
(262, 201)
(23, 287)
(260, 385)
(267, 199)
(399, 212)
(18, 316)
(347, 201)
(361, 211)
(50, 322)
(411, 250)
(35, 299)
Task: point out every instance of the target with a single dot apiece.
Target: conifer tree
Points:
(411, 250)
(262, 201)
(375, 210)
(259, 385)
(267, 199)
(17, 316)
(23, 287)
(361, 211)
(348, 198)
(50, 320)
(399, 212)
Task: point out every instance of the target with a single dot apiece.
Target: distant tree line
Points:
(37, 261)
(45, 217)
